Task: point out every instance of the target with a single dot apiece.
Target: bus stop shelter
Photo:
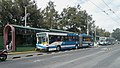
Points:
(15, 35)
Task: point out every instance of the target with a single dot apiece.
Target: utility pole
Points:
(87, 28)
(25, 15)
(87, 25)
(95, 34)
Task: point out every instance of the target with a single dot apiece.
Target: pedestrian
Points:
(7, 45)
(10, 45)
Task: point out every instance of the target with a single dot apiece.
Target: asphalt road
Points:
(99, 57)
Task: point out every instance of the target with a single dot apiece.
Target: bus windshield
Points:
(41, 39)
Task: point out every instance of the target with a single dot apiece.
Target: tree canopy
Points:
(73, 19)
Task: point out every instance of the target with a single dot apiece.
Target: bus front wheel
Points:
(58, 48)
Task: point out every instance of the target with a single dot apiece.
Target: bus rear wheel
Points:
(58, 48)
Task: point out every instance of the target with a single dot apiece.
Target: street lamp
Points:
(26, 14)
(88, 23)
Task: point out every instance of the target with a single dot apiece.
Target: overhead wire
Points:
(110, 9)
(104, 11)
(98, 7)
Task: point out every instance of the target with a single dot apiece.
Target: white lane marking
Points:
(37, 61)
(106, 49)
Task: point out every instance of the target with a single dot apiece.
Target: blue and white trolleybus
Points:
(56, 41)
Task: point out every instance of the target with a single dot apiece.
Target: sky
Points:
(106, 13)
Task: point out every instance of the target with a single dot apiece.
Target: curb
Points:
(17, 55)
(29, 55)
(25, 52)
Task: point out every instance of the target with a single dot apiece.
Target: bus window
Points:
(62, 38)
(51, 39)
(58, 38)
(87, 39)
(75, 38)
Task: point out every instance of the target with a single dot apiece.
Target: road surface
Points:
(99, 57)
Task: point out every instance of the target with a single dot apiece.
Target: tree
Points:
(70, 19)
(116, 33)
(50, 16)
(102, 32)
(74, 19)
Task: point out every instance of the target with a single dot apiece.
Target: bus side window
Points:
(51, 39)
(59, 38)
(62, 38)
(76, 38)
(65, 38)
(83, 39)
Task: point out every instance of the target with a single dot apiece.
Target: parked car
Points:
(102, 42)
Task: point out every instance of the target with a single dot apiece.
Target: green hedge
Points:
(25, 45)
(1, 42)
(21, 49)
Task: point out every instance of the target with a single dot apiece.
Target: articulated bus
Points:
(57, 41)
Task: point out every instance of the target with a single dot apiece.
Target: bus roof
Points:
(60, 31)
(62, 34)
(85, 35)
